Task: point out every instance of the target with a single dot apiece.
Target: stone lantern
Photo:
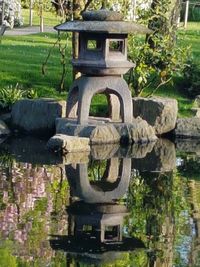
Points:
(102, 60)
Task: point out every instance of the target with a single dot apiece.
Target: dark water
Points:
(113, 207)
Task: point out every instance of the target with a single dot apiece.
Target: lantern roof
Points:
(102, 21)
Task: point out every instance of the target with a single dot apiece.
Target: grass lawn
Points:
(50, 19)
(21, 59)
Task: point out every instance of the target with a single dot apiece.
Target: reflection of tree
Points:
(156, 202)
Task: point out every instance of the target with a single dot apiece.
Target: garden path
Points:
(27, 30)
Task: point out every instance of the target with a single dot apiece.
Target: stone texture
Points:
(137, 132)
(100, 152)
(68, 144)
(37, 116)
(161, 159)
(105, 134)
(4, 129)
(161, 113)
(76, 158)
(6, 117)
(188, 146)
(197, 102)
(196, 112)
(101, 15)
(96, 191)
(188, 128)
(122, 27)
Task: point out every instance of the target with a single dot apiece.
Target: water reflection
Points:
(115, 207)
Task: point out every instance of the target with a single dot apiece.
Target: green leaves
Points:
(9, 95)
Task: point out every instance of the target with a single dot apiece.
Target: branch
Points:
(86, 6)
(161, 84)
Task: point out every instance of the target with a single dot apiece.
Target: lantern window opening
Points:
(111, 232)
(94, 45)
(87, 228)
(116, 46)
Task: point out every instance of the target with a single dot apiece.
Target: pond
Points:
(137, 206)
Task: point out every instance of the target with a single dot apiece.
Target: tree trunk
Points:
(167, 23)
(31, 13)
(41, 18)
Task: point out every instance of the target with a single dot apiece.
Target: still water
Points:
(136, 206)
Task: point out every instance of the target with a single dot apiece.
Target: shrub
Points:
(191, 82)
(154, 67)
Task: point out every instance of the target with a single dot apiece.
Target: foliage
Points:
(158, 207)
(191, 82)
(159, 58)
(154, 67)
(9, 95)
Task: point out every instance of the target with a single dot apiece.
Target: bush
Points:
(191, 82)
(155, 67)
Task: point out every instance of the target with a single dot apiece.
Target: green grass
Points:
(21, 59)
(50, 18)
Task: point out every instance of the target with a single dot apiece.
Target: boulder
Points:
(137, 132)
(160, 113)
(188, 127)
(196, 112)
(105, 134)
(197, 102)
(37, 116)
(66, 143)
(4, 129)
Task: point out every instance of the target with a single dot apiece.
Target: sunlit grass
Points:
(50, 18)
(21, 59)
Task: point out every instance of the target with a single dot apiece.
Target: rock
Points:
(68, 143)
(105, 134)
(4, 129)
(188, 128)
(6, 117)
(37, 116)
(102, 15)
(142, 132)
(161, 113)
(197, 102)
(161, 159)
(137, 132)
(196, 112)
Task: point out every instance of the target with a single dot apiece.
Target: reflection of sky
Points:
(179, 162)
